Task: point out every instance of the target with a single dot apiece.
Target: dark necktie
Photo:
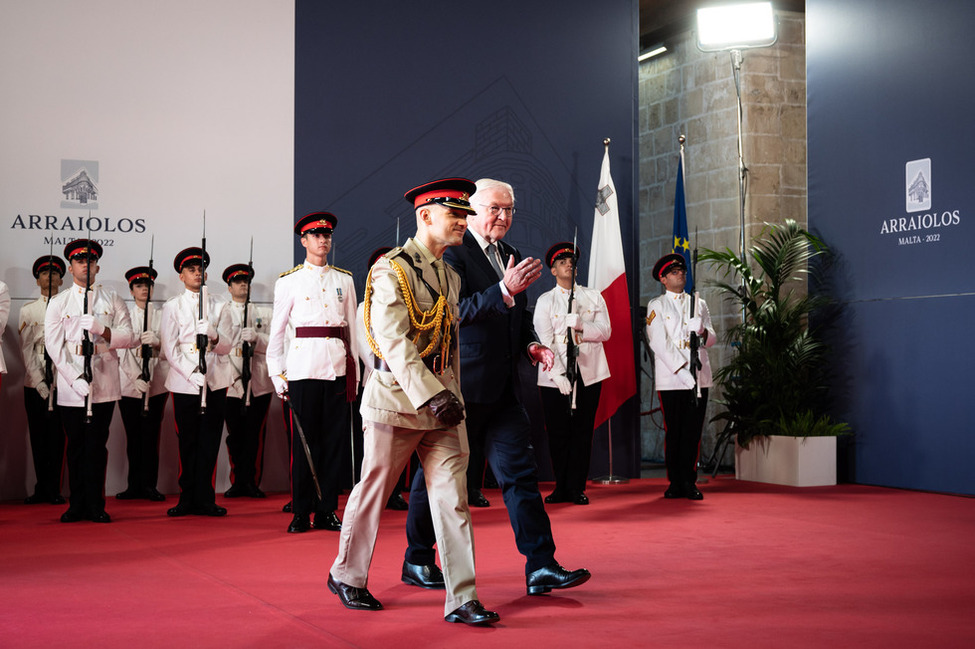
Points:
(492, 255)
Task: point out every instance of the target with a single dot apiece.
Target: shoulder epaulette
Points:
(288, 272)
(342, 270)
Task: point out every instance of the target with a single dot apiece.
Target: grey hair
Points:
(490, 183)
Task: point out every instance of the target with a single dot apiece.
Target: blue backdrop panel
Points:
(390, 95)
(890, 132)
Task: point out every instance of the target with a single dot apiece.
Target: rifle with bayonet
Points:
(571, 348)
(695, 342)
(48, 363)
(203, 340)
(146, 348)
(246, 348)
(87, 346)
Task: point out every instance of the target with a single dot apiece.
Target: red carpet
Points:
(750, 566)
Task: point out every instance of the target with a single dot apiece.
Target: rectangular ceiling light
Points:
(735, 26)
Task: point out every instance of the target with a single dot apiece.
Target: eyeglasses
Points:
(495, 210)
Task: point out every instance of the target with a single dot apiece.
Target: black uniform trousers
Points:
(683, 423)
(46, 444)
(199, 445)
(142, 439)
(506, 430)
(570, 434)
(323, 413)
(246, 428)
(87, 455)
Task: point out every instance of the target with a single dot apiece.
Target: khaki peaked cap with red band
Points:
(190, 255)
(141, 274)
(668, 263)
(450, 192)
(46, 262)
(237, 271)
(561, 251)
(79, 248)
(316, 223)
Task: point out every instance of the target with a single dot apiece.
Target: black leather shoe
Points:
(397, 502)
(253, 491)
(328, 521)
(692, 493)
(299, 524)
(425, 576)
(555, 576)
(555, 497)
(236, 491)
(674, 491)
(36, 499)
(181, 509)
(476, 499)
(210, 510)
(359, 599)
(287, 507)
(129, 494)
(473, 613)
(100, 517)
(72, 516)
(58, 500)
(580, 499)
(155, 495)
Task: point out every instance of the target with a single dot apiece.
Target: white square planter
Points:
(794, 461)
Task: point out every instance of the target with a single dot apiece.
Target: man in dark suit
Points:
(495, 330)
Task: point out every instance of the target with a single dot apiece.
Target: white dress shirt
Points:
(131, 362)
(178, 336)
(258, 319)
(670, 340)
(549, 323)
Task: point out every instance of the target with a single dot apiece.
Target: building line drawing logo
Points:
(79, 184)
(918, 185)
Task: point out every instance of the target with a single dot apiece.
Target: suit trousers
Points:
(46, 444)
(683, 423)
(142, 439)
(245, 438)
(323, 413)
(444, 455)
(570, 434)
(506, 430)
(87, 455)
(199, 445)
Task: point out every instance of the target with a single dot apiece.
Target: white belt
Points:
(99, 348)
(189, 348)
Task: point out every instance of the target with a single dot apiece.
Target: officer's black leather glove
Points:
(447, 408)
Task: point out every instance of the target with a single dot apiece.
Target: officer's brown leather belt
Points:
(342, 333)
(430, 361)
(320, 332)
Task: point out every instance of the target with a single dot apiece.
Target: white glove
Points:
(686, 378)
(574, 321)
(236, 386)
(81, 387)
(695, 325)
(204, 327)
(149, 338)
(92, 324)
(43, 390)
(197, 379)
(141, 386)
(562, 383)
(280, 385)
(248, 334)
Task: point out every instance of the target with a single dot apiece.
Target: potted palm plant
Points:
(775, 388)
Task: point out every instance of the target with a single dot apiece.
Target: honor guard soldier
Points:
(573, 322)
(4, 314)
(683, 401)
(249, 396)
(144, 393)
(43, 416)
(198, 381)
(316, 371)
(83, 328)
(413, 403)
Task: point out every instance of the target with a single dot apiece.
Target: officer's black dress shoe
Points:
(100, 517)
(210, 510)
(692, 493)
(555, 576)
(236, 491)
(181, 509)
(253, 491)
(476, 499)
(555, 497)
(36, 499)
(351, 597)
(328, 521)
(580, 499)
(425, 576)
(129, 494)
(300, 523)
(287, 507)
(155, 495)
(397, 502)
(58, 500)
(473, 613)
(674, 491)
(72, 515)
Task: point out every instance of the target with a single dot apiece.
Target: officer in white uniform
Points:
(143, 402)
(317, 370)
(570, 399)
(247, 408)
(684, 402)
(86, 406)
(43, 416)
(199, 420)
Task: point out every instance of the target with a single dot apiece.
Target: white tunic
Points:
(259, 319)
(4, 314)
(312, 296)
(32, 341)
(549, 323)
(131, 363)
(178, 337)
(63, 336)
(670, 341)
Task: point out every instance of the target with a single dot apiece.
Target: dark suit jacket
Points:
(492, 336)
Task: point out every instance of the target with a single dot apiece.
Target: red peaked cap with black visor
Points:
(141, 274)
(79, 248)
(237, 271)
(46, 262)
(449, 192)
(560, 251)
(668, 263)
(190, 255)
(316, 223)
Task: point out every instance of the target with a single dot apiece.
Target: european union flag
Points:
(682, 240)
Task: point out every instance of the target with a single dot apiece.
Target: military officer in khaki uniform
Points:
(413, 402)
